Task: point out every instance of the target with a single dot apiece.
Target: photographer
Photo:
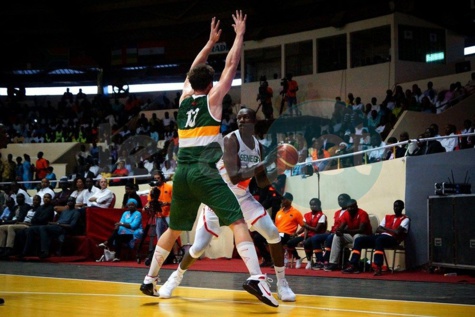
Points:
(158, 207)
(265, 98)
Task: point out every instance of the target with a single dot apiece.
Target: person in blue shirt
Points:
(126, 231)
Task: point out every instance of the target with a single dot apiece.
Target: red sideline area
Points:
(237, 266)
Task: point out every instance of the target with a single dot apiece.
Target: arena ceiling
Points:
(34, 32)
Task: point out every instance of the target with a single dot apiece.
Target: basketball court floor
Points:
(52, 289)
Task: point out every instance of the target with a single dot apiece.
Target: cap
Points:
(288, 196)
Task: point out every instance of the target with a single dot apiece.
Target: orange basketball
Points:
(287, 156)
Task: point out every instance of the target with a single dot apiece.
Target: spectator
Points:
(23, 220)
(65, 223)
(43, 215)
(8, 209)
(376, 143)
(467, 141)
(28, 170)
(126, 231)
(51, 177)
(354, 223)
(325, 239)
(287, 221)
(103, 197)
(41, 167)
(131, 192)
(427, 146)
(315, 222)
(9, 169)
(16, 189)
(120, 171)
(448, 143)
(391, 231)
(60, 199)
(45, 189)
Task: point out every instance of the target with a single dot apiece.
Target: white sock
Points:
(279, 272)
(159, 256)
(247, 251)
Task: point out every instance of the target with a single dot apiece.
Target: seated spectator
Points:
(22, 221)
(423, 147)
(315, 222)
(60, 199)
(126, 231)
(467, 141)
(42, 216)
(66, 223)
(287, 221)
(470, 85)
(325, 239)
(102, 198)
(84, 194)
(16, 189)
(45, 189)
(450, 144)
(391, 231)
(120, 171)
(8, 210)
(354, 223)
(376, 143)
(131, 192)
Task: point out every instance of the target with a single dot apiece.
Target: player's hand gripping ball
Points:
(287, 156)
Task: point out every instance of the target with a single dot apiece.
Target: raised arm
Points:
(202, 56)
(218, 92)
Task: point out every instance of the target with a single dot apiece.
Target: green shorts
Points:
(194, 184)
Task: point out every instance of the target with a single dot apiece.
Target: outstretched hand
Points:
(215, 33)
(239, 22)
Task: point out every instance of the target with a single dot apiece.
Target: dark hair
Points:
(200, 76)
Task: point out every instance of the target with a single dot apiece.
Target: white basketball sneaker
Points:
(284, 292)
(258, 285)
(173, 281)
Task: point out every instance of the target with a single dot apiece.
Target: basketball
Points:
(287, 156)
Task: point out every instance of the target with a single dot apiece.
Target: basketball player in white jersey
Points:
(242, 160)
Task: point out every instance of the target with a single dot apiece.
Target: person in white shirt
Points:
(449, 143)
(16, 189)
(83, 197)
(45, 189)
(101, 198)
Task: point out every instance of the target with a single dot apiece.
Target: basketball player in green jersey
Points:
(196, 178)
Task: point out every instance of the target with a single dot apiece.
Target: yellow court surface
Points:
(50, 297)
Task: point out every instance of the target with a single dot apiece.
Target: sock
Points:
(247, 251)
(159, 256)
(279, 272)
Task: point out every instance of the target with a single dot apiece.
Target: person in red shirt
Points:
(315, 222)
(41, 167)
(326, 239)
(354, 223)
(391, 231)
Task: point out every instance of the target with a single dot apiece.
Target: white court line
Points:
(282, 304)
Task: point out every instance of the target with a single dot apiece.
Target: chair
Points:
(399, 249)
(112, 203)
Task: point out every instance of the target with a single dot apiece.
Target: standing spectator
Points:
(291, 94)
(41, 167)
(9, 169)
(265, 99)
(19, 169)
(28, 170)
